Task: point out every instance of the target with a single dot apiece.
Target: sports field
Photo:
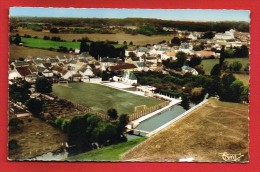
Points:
(208, 132)
(102, 98)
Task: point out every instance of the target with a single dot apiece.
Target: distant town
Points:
(78, 87)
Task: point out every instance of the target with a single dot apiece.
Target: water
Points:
(162, 118)
(51, 156)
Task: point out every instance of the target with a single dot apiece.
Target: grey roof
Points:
(20, 63)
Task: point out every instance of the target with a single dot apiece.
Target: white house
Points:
(129, 78)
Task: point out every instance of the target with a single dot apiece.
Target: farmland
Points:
(120, 37)
(101, 98)
(19, 51)
(214, 128)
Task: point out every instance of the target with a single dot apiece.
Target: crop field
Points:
(36, 138)
(209, 63)
(214, 128)
(120, 37)
(101, 98)
(19, 51)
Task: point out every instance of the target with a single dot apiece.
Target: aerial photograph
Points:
(128, 85)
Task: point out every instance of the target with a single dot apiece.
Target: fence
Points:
(89, 110)
(137, 115)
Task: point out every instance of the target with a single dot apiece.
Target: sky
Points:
(165, 14)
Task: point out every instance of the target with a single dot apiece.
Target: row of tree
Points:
(99, 22)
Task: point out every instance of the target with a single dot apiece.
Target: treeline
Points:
(101, 22)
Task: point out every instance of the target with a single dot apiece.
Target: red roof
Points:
(24, 71)
(122, 67)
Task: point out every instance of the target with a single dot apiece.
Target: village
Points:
(144, 82)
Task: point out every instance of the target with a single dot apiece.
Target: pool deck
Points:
(136, 122)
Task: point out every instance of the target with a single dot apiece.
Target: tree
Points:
(43, 85)
(35, 106)
(208, 35)
(15, 122)
(84, 46)
(245, 94)
(13, 145)
(236, 90)
(105, 76)
(54, 30)
(222, 56)
(235, 66)
(194, 61)
(112, 113)
(181, 58)
(215, 71)
(242, 51)
(17, 40)
(176, 41)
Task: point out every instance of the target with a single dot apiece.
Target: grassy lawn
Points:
(209, 63)
(45, 44)
(109, 153)
(213, 128)
(101, 98)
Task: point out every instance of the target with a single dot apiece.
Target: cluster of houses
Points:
(83, 66)
(151, 57)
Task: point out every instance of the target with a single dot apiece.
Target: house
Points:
(86, 72)
(107, 62)
(140, 65)
(129, 51)
(44, 71)
(129, 78)
(186, 47)
(228, 35)
(206, 54)
(187, 69)
(19, 63)
(122, 67)
(62, 58)
(141, 51)
(68, 75)
(192, 36)
(58, 70)
(169, 55)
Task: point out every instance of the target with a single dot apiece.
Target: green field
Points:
(209, 63)
(46, 44)
(101, 98)
(109, 153)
